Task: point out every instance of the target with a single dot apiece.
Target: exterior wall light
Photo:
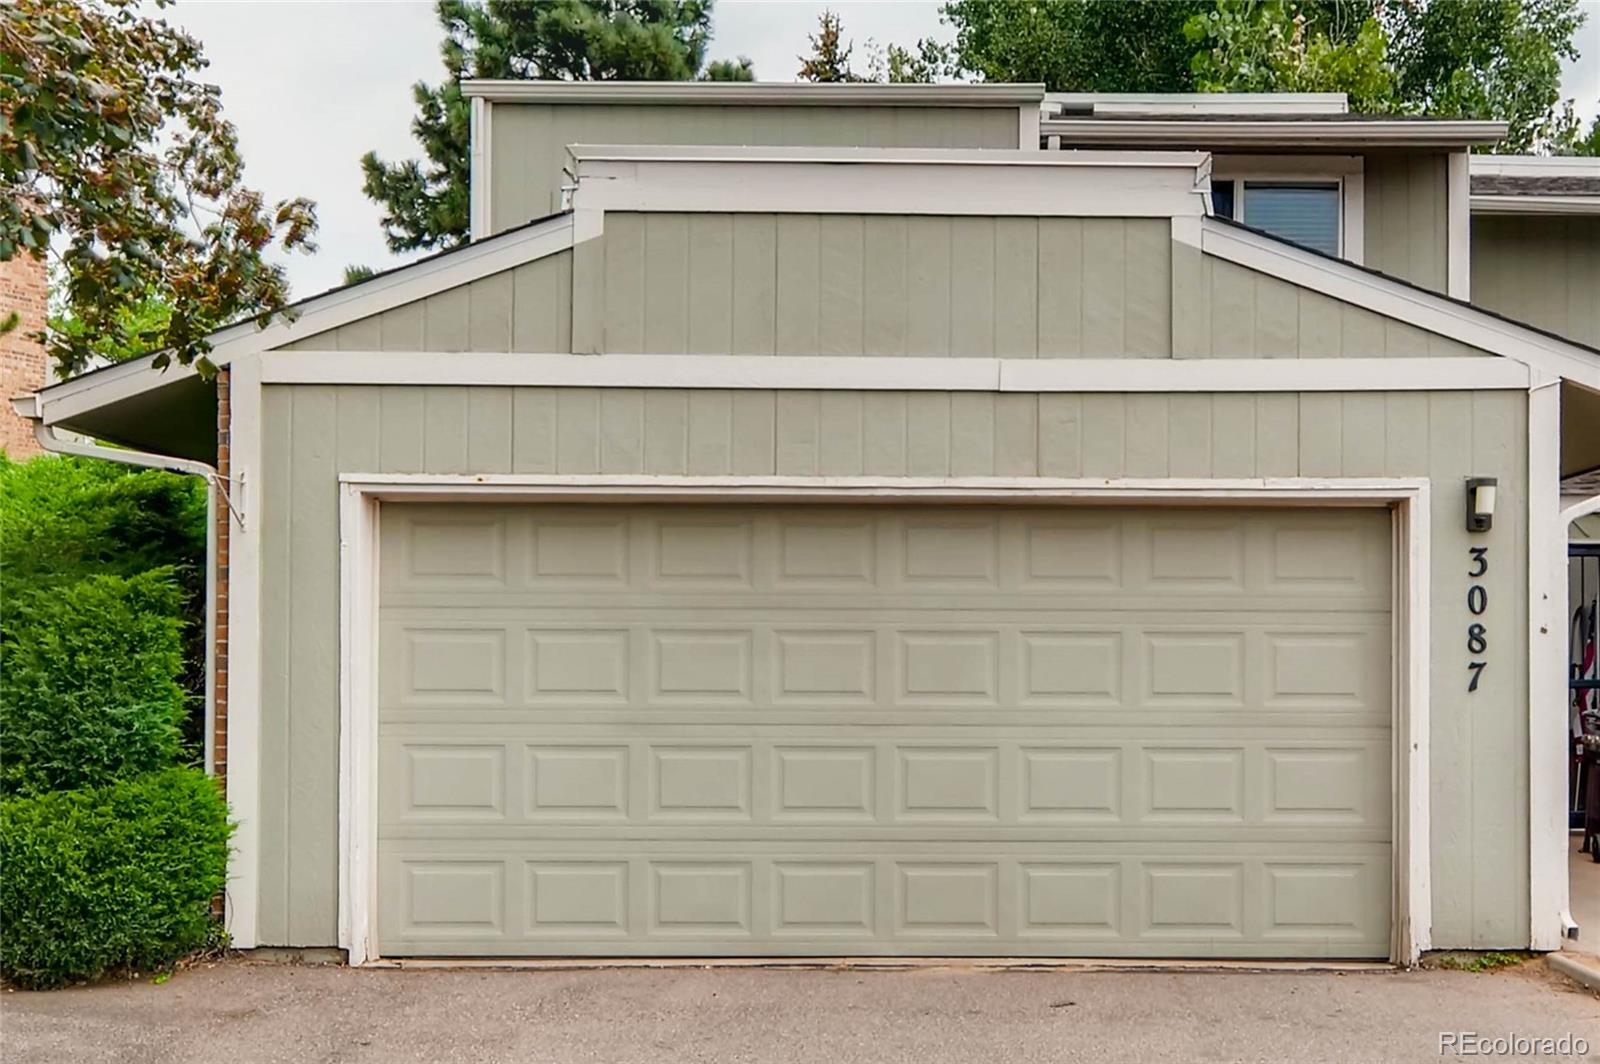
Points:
(1480, 503)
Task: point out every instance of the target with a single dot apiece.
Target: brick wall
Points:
(22, 361)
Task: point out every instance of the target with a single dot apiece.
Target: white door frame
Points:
(361, 496)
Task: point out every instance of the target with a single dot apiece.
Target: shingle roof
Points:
(1509, 185)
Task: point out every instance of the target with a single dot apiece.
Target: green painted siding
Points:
(854, 285)
(764, 284)
(525, 309)
(1406, 196)
(530, 140)
(1541, 270)
(1223, 310)
(312, 433)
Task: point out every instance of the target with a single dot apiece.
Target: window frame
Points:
(1346, 171)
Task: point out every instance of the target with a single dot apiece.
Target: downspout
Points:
(28, 407)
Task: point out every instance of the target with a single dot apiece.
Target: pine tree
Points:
(425, 201)
(830, 53)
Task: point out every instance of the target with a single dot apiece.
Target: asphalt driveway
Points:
(241, 1012)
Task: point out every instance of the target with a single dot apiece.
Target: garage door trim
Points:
(359, 515)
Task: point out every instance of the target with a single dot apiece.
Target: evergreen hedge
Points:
(88, 682)
(109, 878)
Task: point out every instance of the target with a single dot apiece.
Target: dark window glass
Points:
(1303, 212)
(1222, 199)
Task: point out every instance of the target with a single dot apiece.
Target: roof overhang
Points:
(1501, 203)
(1535, 184)
(135, 404)
(1284, 134)
(752, 93)
(1059, 104)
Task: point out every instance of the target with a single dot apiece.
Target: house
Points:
(22, 356)
(858, 520)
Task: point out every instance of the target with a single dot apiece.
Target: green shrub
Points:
(62, 519)
(109, 878)
(88, 682)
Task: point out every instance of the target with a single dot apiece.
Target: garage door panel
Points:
(979, 660)
(1149, 903)
(681, 549)
(613, 730)
(1072, 784)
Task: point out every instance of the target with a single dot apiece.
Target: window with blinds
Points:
(1303, 212)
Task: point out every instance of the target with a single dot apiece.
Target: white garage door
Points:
(729, 730)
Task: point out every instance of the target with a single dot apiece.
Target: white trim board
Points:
(1458, 227)
(1547, 672)
(759, 93)
(1506, 203)
(480, 169)
(362, 495)
(993, 183)
(1207, 103)
(1536, 165)
(1302, 133)
(242, 897)
(1398, 300)
(890, 373)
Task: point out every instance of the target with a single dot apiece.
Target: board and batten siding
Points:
(1224, 310)
(528, 308)
(1541, 270)
(1406, 225)
(806, 284)
(312, 433)
(530, 140)
(799, 284)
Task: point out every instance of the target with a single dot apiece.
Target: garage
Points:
(671, 729)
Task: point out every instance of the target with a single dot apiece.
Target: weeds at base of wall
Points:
(1476, 961)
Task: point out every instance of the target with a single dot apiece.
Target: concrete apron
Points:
(1579, 958)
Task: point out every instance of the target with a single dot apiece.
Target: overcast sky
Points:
(312, 85)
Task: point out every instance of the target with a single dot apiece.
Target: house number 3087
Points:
(1477, 603)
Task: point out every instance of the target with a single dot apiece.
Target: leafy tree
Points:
(115, 160)
(1451, 58)
(829, 60)
(1077, 45)
(425, 201)
(1279, 46)
(931, 61)
(1587, 144)
(357, 274)
(1485, 59)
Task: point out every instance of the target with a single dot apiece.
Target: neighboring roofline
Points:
(1508, 199)
(1532, 203)
(1006, 157)
(753, 93)
(1215, 103)
(1283, 135)
(1534, 166)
